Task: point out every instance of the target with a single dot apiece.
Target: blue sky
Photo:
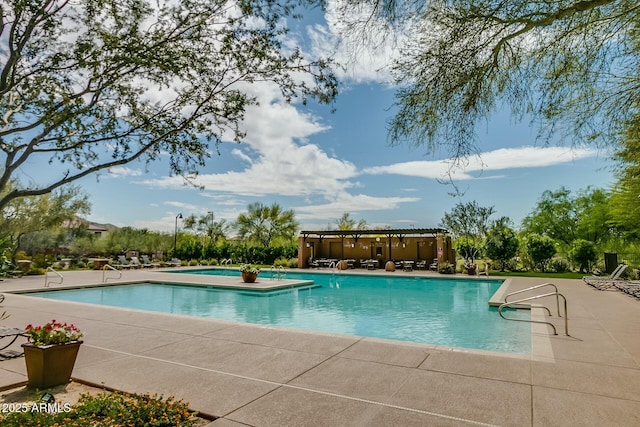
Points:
(322, 164)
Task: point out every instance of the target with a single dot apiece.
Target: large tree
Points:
(262, 224)
(41, 213)
(92, 84)
(572, 65)
(566, 217)
(468, 223)
(345, 222)
(625, 197)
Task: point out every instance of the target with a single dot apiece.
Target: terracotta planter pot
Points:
(390, 266)
(249, 277)
(50, 365)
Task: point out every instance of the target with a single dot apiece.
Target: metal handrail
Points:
(46, 282)
(104, 270)
(537, 287)
(279, 269)
(557, 294)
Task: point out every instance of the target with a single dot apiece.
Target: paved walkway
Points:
(252, 375)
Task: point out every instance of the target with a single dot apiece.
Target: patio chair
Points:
(631, 288)
(123, 262)
(421, 265)
(147, 262)
(605, 282)
(434, 265)
(407, 265)
(135, 262)
(313, 263)
(486, 270)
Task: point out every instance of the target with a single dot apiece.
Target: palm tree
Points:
(262, 224)
(345, 222)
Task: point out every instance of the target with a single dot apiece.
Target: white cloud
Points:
(363, 55)
(345, 202)
(122, 171)
(501, 159)
(278, 159)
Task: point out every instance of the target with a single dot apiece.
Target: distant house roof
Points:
(356, 234)
(96, 227)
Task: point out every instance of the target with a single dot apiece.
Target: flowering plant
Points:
(248, 268)
(52, 333)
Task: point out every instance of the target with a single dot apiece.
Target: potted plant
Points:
(51, 353)
(249, 273)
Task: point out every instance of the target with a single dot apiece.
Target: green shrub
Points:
(109, 409)
(558, 265)
(193, 262)
(214, 261)
(204, 262)
(36, 271)
(447, 268)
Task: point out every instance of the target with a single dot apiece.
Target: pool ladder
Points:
(279, 271)
(512, 304)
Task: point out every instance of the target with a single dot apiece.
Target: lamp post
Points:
(211, 226)
(175, 234)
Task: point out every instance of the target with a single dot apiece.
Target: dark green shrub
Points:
(447, 268)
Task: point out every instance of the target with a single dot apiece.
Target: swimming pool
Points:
(449, 312)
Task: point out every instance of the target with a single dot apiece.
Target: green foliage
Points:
(263, 224)
(501, 244)
(143, 78)
(52, 333)
(33, 223)
(249, 268)
(566, 217)
(541, 249)
(583, 253)
(625, 214)
(447, 268)
(109, 409)
(558, 265)
(569, 64)
(345, 222)
(468, 223)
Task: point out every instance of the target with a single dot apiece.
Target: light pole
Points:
(175, 235)
(211, 226)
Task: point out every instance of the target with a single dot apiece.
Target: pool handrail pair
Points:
(557, 294)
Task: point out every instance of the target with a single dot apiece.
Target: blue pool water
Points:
(447, 312)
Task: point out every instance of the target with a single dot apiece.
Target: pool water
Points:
(447, 312)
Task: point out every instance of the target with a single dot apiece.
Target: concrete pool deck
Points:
(250, 375)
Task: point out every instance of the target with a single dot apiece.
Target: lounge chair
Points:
(605, 282)
(421, 265)
(175, 262)
(123, 262)
(313, 263)
(407, 265)
(147, 262)
(434, 265)
(631, 288)
(135, 263)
